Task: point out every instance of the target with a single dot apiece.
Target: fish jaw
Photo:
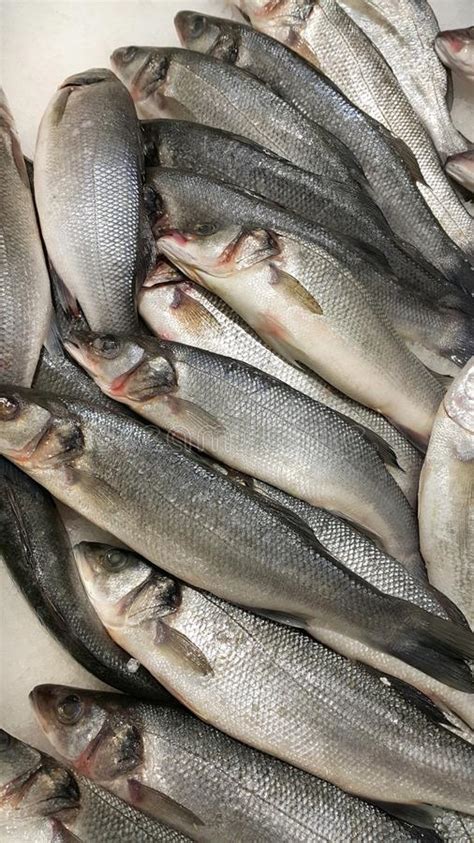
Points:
(455, 48)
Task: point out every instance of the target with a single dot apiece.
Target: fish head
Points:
(205, 34)
(455, 48)
(461, 168)
(91, 730)
(145, 70)
(124, 588)
(36, 430)
(134, 368)
(32, 783)
(459, 400)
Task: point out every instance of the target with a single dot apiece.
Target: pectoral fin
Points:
(294, 292)
(163, 807)
(182, 650)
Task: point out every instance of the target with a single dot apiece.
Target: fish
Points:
(388, 165)
(325, 35)
(88, 188)
(35, 547)
(43, 801)
(24, 280)
(276, 690)
(255, 424)
(455, 48)
(161, 757)
(171, 82)
(170, 505)
(442, 337)
(405, 33)
(293, 289)
(446, 496)
(461, 168)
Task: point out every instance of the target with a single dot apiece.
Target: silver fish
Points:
(165, 760)
(43, 802)
(25, 301)
(446, 497)
(275, 689)
(256, 424)
(88, 165)
(455, 47)
(461, 168)
(187, 517)
(176, 309)
(405, 31)
(291, 284)
(327, 37)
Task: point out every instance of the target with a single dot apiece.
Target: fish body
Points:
(274, 689)
(187, 313)
(434, 332)
(461, 168)
(405, 32)
(455, 48)
(48, 803)
(256, 424)
(388, 165)
(130, 479)
(293, 289)
(24, 282)
(87, 173)
(231, 790)
(35, 547)
(446, 497)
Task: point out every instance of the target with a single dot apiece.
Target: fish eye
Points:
(114, 561)
(5, 741)
(106, 346)
(197, 26)
(9, 408)
(129, 54)
(205, 228)
(70, 710)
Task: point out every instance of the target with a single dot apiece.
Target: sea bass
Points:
(88, 174)
(130, 479)
(24, 281)
(446, 497)
(163, 759)
(273, 688)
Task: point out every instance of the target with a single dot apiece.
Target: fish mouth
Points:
(87, 77)
(23, 455)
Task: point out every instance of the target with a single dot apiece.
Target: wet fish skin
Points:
(455, 48)
(35, 547)
(171, 82)
(389, 167)
(446, 496)
(221, 155)
(186, 313)
(55, 804)
(130, 479)
(461, 168)
(255, 424)
(276, 690)
(233, 789)
(94, 226)
(24, 281)
(301, 250)
(405, 33)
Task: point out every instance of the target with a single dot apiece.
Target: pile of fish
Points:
(236, 335)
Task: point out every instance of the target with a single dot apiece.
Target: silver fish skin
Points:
(171, 82)
(275, 689)
(461, 168)
(405, 32)
(388, 164)
(60, 806)
(328, 38)
(35, 547)
(360, 555)
(187, 313)
(94, 226)
(441, 337)
(256, 424)
(234, 791)
(24, 281)
(446, 496)
(130, 479)
(283, 264)
(455, 48)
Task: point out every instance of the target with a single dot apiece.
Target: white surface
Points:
(41, 44)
